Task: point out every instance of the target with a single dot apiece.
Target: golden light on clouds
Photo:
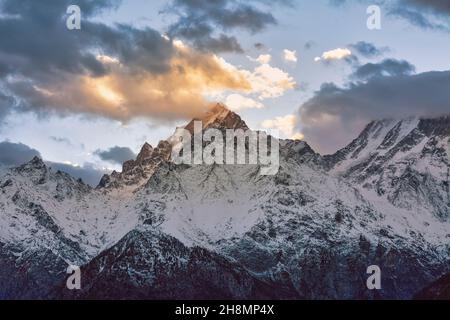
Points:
(183, 91)
(287, 125)
(335, 54)
(237, 102)
(107, 93)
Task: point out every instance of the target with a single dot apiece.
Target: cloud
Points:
(5, 105)
(237, 102)
(116, 155)
(417, 18)
(123, 94)
(201, 21)
(52, 49)
(426, 14)
(437, 6)
(335, 54)
(335, 115)
(269, 82)
(265, 82)
(15, 154)
(200, 37)
(118, 71)
(387, 67)
(88, 172)
(367, 50)
(259, 46)
(264, 58)
(289, 55)
(309, 44)
(287, 125)
(61, 140)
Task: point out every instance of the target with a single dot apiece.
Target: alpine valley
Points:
(158, 230)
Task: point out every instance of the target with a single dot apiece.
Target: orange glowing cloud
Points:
(193, 80)
(124, 93)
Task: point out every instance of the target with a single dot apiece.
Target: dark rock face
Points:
(145, 154)
(29, 274)
(324, 264)
(151, 265)
(438, 290)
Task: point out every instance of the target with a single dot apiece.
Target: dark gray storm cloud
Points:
(419, 18)
(198, 21)
(426, 14)
(5, 105)
(116, 155)
(37, 50)
(259, 46)
(336, 115)
(367, 49)
(441, 7)
(88, 172)
(387, 67)
(15, 154)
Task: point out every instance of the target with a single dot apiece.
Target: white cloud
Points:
(269, 82)
(107, 59)
(264, 58)
(265, 81)
(238, 102)
(335, 54)
(290, 56)
(286, 125)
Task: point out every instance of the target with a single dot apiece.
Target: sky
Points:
(86, 100)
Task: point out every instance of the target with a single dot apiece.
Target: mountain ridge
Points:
(275, 230)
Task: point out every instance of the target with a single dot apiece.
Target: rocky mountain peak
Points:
(219, 117)
(145, 153)
(35, 169)
(36, 164)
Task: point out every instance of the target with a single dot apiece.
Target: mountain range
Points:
(158, 230)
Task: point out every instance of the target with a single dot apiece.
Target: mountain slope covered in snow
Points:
(162, 230)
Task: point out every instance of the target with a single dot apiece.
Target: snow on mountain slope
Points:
(405, 162)
(148, 264)
(43, 208)
(277, 226)
(309, 231)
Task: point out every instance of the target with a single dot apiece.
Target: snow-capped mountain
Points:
(161, 230)
(406, 162)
